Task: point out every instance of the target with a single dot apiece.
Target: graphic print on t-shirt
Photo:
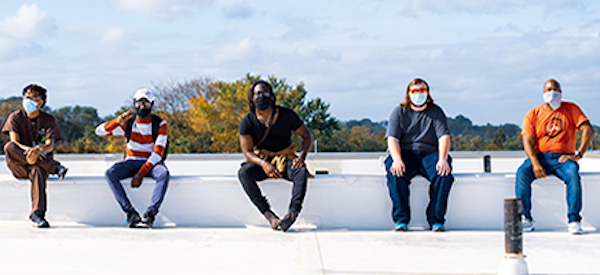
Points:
(554, 127)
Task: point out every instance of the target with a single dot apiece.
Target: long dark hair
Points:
(251, 94)
(406, 102)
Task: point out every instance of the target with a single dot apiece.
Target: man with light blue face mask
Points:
(29, 153)
(418, 140)
(549, 138)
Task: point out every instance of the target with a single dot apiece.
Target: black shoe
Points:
(61, 171)
(148, 218)
(273, 219)
(133, 218)
(38, 217)
(288, 220)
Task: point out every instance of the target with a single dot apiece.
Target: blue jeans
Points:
(567, 171)
(128, 168)
(419, 163)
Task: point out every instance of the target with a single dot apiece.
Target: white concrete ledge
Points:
(205, 192)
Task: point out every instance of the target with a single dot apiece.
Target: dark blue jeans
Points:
(250, 173)
(567, 171)
(128, 168)
(419, 163)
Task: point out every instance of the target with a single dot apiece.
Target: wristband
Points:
(578, 154)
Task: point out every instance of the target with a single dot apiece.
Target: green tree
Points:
(499, 139)
(7, 106)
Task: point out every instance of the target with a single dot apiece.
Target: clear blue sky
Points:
(487, 60)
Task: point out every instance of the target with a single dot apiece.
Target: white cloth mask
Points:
(418, 98)
(553, 98)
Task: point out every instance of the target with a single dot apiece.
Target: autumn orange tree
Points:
(217, 112)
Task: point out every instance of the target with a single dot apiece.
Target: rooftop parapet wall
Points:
(205, 191)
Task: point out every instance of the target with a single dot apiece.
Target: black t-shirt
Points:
(280, 135)
(418, 130)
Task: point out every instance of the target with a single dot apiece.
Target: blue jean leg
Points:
(114, 175)
(128, 168)
(398, 187)
(160, 174)
(569, 173)
(439, 189)
(525, 177)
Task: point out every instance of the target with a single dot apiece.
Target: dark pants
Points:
(567, 171)
(419, 163)
(37, 173)
(128, 168)
(250, 173)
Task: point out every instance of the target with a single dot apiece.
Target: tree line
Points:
(204, 114)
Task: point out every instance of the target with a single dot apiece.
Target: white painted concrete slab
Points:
(69, 248)
(208, 226)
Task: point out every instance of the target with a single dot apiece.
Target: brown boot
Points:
(288, 220)
(273, 219)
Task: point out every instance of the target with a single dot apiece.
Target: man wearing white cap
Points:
(146, 136)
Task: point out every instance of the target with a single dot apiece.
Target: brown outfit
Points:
(31, 134)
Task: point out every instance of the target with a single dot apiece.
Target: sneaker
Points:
(288, 220)
(38, 218)
(133, 218)
(438, 227)
(575, 228)
(527, 224)
(61, 171)
(148, 218)
(401, 226)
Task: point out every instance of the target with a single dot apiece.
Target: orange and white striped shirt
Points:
(140, 145)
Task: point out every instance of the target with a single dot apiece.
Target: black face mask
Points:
(262, 102)
(142, 113)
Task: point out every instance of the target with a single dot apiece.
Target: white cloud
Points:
(114, 36)
(161, 9)
(486, 7)
(319, 53)
(30, 22)
(20, 35)
(245, 49)
(236, 9)
(302, 28)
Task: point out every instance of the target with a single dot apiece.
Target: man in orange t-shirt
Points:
(549, 137)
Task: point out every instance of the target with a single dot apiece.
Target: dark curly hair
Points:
(36, 88)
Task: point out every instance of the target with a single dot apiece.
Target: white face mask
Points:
(553, 98)
(418, 99)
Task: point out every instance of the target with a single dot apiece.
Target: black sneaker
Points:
(148, 218)
(133, 218)
(61, 171)
(38, 217)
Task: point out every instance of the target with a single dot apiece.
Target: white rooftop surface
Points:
(73, 249)
(208, 226)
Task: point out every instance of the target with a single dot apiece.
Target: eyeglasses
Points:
(422, 91)
(143, 103)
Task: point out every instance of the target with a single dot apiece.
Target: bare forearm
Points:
(306, 144)
(529, 146)
(587, 133)
(444, 147)
(394, 148)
